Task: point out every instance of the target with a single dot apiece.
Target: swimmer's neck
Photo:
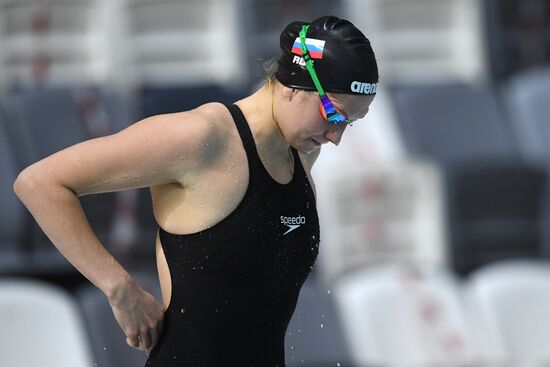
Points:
(267, 134)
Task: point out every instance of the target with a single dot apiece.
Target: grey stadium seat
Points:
(12, 216)
(494, 212)
(451, 123)
(527, 98)
(43, 122)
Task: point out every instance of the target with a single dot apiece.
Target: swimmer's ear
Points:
(288, 93)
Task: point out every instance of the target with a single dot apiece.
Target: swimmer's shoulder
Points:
(191, 142)
(203, 122)
(217, 115)
(206, 127)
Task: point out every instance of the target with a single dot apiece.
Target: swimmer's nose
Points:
(334, 133)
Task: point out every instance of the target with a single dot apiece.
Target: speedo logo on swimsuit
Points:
(365, 88)
(292, 222)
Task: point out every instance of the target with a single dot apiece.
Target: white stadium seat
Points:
(405, 316)
(41, 326)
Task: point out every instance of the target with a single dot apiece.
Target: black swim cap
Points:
(343, 57)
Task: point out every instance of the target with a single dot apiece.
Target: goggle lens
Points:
(330, 112)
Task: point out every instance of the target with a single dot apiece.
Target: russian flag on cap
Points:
(314, 46)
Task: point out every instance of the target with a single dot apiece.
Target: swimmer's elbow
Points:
(30, 180)
(26, 181)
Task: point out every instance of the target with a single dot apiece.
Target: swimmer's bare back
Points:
(188, 160)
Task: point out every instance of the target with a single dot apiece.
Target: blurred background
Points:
(434, 213)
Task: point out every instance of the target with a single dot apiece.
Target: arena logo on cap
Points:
(314, 46)
(365, 88)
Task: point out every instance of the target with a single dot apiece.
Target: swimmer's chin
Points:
(307, 149)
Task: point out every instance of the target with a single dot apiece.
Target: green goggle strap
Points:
(309, 62)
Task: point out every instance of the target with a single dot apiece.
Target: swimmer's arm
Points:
(158, 150)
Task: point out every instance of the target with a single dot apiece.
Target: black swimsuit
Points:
(235, 285)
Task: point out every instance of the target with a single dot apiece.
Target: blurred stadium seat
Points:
(451, 32)
(526, 97)
(509, 302)
(450, 123)
(13, 217)
(380, 213)
(516, 36)
(41, 326)
(494, 212)
(399, 315)
(166, 99)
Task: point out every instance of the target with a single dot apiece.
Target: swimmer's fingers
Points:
(146, 338)
(160, 327)
(154, 334)
(139, 316)
(133, 341)
(149, 336)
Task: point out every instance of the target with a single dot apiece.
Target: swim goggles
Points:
(328, 110)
